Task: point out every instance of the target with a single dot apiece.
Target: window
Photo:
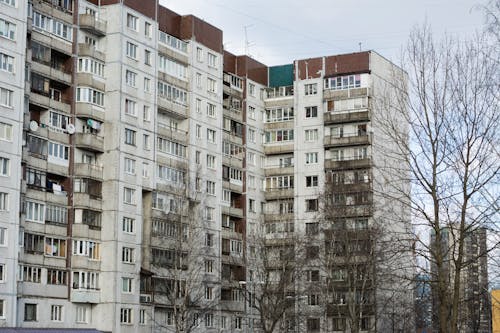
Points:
(4, 201)
(81, 314)
(58, 151)
(126, 316)
(146, 113)
(238, 323)
(7, 29)
(211, 85)
(210, 213)
(89, 65)
(145, 170)
(5, 132)
(127, 284)
(55, 247)
(313, 299)
(312, 276)
(279, 114)
(35, 211)
(57, 277)
(251, 112)
(148, 29)
(211, 161)
(128, 255)
(30, 273)
(199, 54)
(279, 136)
(171, 147)
(279, 182)
(130, 137)
(343, 82)
(2, 302)
(4, 166)
(130, 78)
(251, 90)
(142, 317)
(128, 225)
(210, 187)
(6, 63)
(172, 67)
(56, 312)
(6, 96)
(312, 228)
(209, 266)
(131, 50)
(198, 131)
(172, 93)
(212, 59)
(211, 110)
(311, 89)
(3, 239)
(132, 21)
(58, 121)
(251, 205)
(85, 280)
(171, 175)
(30, 312)
(172, 42)
(129, 166)
(211, 135)
(86, 248)
(130, 107)
(209, 293)
(311, 135)
(311, 181)
(56, 214)
(129, 196)
(89, 95)
(2, 273)
(223, 322)
(209, 320)
(311, 158)
(251, 135)
(312, 205)
(9, 2)
(311, 111)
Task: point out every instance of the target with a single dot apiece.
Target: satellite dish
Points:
(33, 126)
(71, 128)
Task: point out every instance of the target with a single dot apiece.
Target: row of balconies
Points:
(331, 141)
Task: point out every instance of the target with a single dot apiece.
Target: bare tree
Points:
(450, 103)
(271, 292)
(183, 294)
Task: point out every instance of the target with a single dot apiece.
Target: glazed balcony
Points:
(92, 24)
(331, 94)
(279, 193)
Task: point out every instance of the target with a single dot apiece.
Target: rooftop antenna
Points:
(247, 42)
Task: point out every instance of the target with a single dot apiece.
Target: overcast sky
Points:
(280, 31)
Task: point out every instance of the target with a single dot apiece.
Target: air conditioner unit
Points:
(145, 298)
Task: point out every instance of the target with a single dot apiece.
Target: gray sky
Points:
(281, 31)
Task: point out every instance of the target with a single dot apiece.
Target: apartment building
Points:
(140, 163)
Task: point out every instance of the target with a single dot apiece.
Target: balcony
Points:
(348, 164)
(85, 200)
(88, 170)
(47, 70)
(89, 141)
(279, 193)
(174, 109)
(169, 132)
(47, 195)
(233, 185)
(278, 217)
(278, 92)
(232, 211)
(92, 24)
(329, 94)
(353, 210)
(278, 148)
(90, 51)
(47, 102)
(233, 306)
(347, 117)
(58, 44)
(331, 141)
(278, 170)
(89, 80)
(87, 110)
(85, 296)
(234, 162)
